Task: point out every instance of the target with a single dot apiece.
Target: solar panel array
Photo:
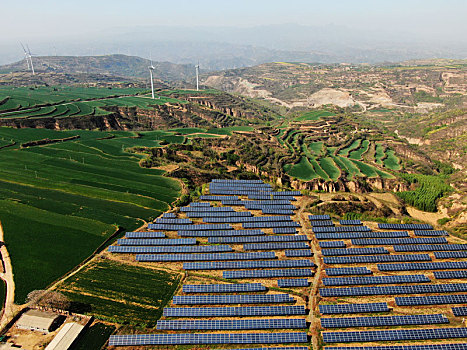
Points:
(450, 274)
(208, 338)
(351, 235)
(223, 288)
(218, 198)
(247, 219)
(174, 221)
(354, 251)
(393, 290)
(232, 299)
(156, 241)
(375, 259)
(234, 311)
(267, 273)
(275, 323)
(430, 247)
(340, 271)
(258, 239)
(277, 211)
(332, 244)
(276, 246)
(169, 215)
(284, 230)
(395, 335)
(144, 235)
(449, 255)
(319, 217)
(398, 241)
(379, 321)
(253, 206)
(208, 257)
(200, 227)
(206, 209)
(271, 195)
(317, 223)
(430, 233)
(432, 300)
(459, 311)
(341, 229)
(170, 249)
(386, 226)
(256, 264)
(353, 308)
(437, 346)
(199, 204)
(298, 253)
(350, 222)
(447, 265)
(270, 224)
(218, 214)
(363, 280)
(288, 283)
(221, 233)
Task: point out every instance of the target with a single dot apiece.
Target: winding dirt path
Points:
(9, 308)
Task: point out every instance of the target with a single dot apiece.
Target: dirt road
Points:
(9, 308)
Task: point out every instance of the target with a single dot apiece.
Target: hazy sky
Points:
(49, 19)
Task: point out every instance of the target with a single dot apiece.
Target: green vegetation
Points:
(314, 115)
(391, 161)
(302, 170)
(429, 189)
(121, 293)
(379, 154)
(358, 153)
(74, 194)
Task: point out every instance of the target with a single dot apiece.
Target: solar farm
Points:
(256, 276)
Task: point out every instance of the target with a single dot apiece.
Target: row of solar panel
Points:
(277, 211)
(319, 217)
(437, 346)
(447, 265)
(298, 253)
(223, 288)
(351, 235)
(450, 274)
(170, 249)
(353, 308)
(432, 300)
(269, 206)
(364, 280)
(332, 244)
(431, 233)
(259, 264)
(275, 323)
(229, 181)
(206, 257)
(258, 239)
(317, 223)
(270, 195)
(333, 229)
(431, 247)
(378, 321)
(340, 271)
(232, 299)
(156, 241)
(350, 222)
(288, 283)
(239, 192)
(385, 226)
(400, 241)
(217, 214)
(169, 215)
(217, 198)
(236, 274)
(235, 311)
(354, 251)
(393, 290)
(144, 235)
(221, 233)
(242, 219)
(375, 259)
(201, 227)
(275, 246)
(199, 204)
(270, 224)
(206, 209)
(174, 221)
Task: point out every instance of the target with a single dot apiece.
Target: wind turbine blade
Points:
(29, 51)
(23, 47)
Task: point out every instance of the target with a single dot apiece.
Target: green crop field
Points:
(121, 293)
(358, 153)
(391, 161)
(313, 115)
(302, 170)
(328, 165)
(379, 154)
(345, 151)
(74, 194)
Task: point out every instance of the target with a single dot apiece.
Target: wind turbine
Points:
(197, 76)
(151, 69)
(30, 60)
(26, 57)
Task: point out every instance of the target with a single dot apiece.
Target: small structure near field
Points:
(66, 337)
(40, 321)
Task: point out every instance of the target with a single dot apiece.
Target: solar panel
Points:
(437, 346)
(430, 233)
(267, 273)
(270, 224)
(201, 227)
(144, 235)
(288, 283)
(218, 198)
(447, 265)
(449, 255)
(259, 264)
(318, 217)
(232, 299)
(378, 321)
(375, 259)
(170, 249)
(248, 219)
(235, 311)
(206, 209)
(430, 247)
(156, 241)
(354, 251)
(432, 300)
(277, 211)
(270, 195)
(298, 253)
(230, 181)
(353, 308)
(223, 288)
(218, 214)
(199, 204)
(221, 233)
(332, 244)
(284, 230)
(459, 311)
(351, 235)
(276, 246)
(174, 221)
(317, 223)
(258, 239)
(341, 229)
(250, 206)
(350, 222)
(340, 271)
(208, 257)
(275, 323)
(208, 338)
(398, 241)
(450, 274)
(169, 215)
(269, 202)
(393, 290)
(361, 280)
(385, 226)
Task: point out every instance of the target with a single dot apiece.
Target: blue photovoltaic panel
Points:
(208, 257)
(332, 244)
(430, 247)
(340, 229)
(258, 239)
(432, 300)
(277, 211)
(352, 235)
(298, 253)
(174, 221)
(259, 264)
(375, 259)
(459, 311)
(208, 338)
(450, 274)
(207, 209)
(235, 311)
(276, 246)
(393, 290)
(318, 217)
(447, 265)
(385, 226)
(169, 215)
(399, 241)
(223, 288)
(341, 271)
(271, 195)
(233, 182)
(275, 323)
(274, 202)
(245, 219)
(430, 233)
(318, 223)
(354, 251)
(218, 214)
(221, 233)
(267, 273)
(170, 249)
(363, 280)
(156, 241)
(232, 299)
(350, 222)
(379, 321)
(288, 283)
(353, 308)
(218, 198)
(144, 235)
(270, 224)
(199, 204)
(449, 255)
(269, 206)
(201, 227)
(284, 230)
(395, 335)
(437, 346)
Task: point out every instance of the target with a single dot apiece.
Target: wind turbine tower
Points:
(30, 60)
(197, 76)
(26, 57)
(151, 69)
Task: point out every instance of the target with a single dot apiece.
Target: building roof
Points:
(36, 319)
(67, 335)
